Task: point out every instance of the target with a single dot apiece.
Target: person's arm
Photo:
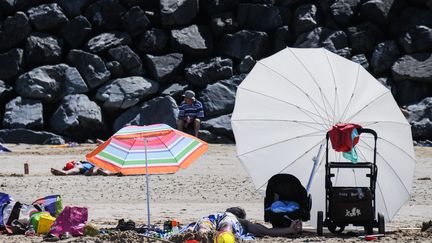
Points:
(181, 114)
(261, 230)
(200, 110)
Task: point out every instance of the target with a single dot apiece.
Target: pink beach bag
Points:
(72, 220)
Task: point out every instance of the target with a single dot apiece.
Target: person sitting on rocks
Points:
(190, 112)
(81, 168)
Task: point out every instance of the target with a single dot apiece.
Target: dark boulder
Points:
(361, 59)
(243, 43)
(105, 14)
(219, 126)
(130, 61)
(91, 67)
(217, 99)
(282, 37)
(116, 69)
(123, 93)
(174, 90)
(29, 137)
(306, 18)
(43, 49)
(415, 67)
(222, 24)
(72, 8)
(158, 110)
(76, 31)
(418, 39)
(217, 7)
(193, 41)
(417, 91)
(147, 4)
(364, 37)
(23, 113)
(77, 117)
(135, 21)
(376, 11)
(258, 17)
(246, 64)
(342, 13)
(50, 83)
(47, 16)
(389, 84)
(311, 39)
(334, 41)
(286, 15)
(11, 63)
(108, 40)
(409, 18)
(14, 30)
(9, 7)
(164, 68)
(420, 118)
(154, 41)
(202, 73)
(383, 57)
(178, 12)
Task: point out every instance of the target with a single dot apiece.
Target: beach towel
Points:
(4, 199)
(51, 204)
(341, 137)
(283, 207)
(72, 220)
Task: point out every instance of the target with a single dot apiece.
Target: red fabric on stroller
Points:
(340, 137)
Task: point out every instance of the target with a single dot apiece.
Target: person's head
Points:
(69, 165)
(237, 211)
(189, 96)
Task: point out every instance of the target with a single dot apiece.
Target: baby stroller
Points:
(350, 205)
(286, 187)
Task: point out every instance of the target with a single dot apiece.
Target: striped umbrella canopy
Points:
(153, 149)
(165, 148)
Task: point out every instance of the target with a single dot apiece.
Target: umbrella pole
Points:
(147, 181)
(315, 160)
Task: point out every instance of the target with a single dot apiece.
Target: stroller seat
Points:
(286, 187)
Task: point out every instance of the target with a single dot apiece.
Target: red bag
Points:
(340, 137)
(72, 220)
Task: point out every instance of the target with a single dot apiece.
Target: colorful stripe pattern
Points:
(167, 150)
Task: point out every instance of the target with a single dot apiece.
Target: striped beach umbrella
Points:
(153, 149)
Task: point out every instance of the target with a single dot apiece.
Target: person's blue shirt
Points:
(194, 110)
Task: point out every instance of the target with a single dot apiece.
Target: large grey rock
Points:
(14, 30)
(164, 68)
(147, 4)
(130, 61)
(334, 41)
(376, 11)
(418, 39)
(362, 60)
(6, 92)
(76, 31)
(9, 7)
(135, 21)
(217, 7)
(217, 99)
(202, 73)
(105, 14)
(243, 43)
(50, 83)
(417, 67)
(154, 41)
(23, 113)
(91, 67)
(306, 18)
(72, 8)
(420, 118)
(223, 23)
(116, 69)
(108, 40)
(29, 137)
(342, 13)
(192, 41)
(219, 126)
(409, 18)
(178, 12)
(258, 17)
(123, 93)
(383, 57)
(389, 84)
(11, 63)
(77, 117)
(417, 91)
(364, 37)
(246, 64)
(43, 49)
(174, 90)
(158, 110)
(47, 16)
(282, 37)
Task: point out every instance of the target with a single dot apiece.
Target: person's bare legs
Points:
(261, 230)
(73, 171)
(180, 124)
(197, 123)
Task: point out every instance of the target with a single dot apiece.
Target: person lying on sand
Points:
(233, 222)
(81, 168)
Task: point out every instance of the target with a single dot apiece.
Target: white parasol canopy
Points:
(289, 101)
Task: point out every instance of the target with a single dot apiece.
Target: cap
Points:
(224, 237)
(189, 94)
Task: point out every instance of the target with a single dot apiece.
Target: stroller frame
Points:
(369, 221)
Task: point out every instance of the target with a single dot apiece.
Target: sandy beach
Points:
(213, 183)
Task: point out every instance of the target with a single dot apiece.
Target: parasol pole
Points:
(147, 181)
(315, 160)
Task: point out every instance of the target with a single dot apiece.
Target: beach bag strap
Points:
(14, 213)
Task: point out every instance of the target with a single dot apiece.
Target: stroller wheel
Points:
(320, 222)
(332, 228)
(381, 224)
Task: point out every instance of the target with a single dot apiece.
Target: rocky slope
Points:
(81, 69)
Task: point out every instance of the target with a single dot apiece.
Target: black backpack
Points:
(286, 187)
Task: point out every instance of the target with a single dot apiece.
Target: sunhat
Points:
(189, 94)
